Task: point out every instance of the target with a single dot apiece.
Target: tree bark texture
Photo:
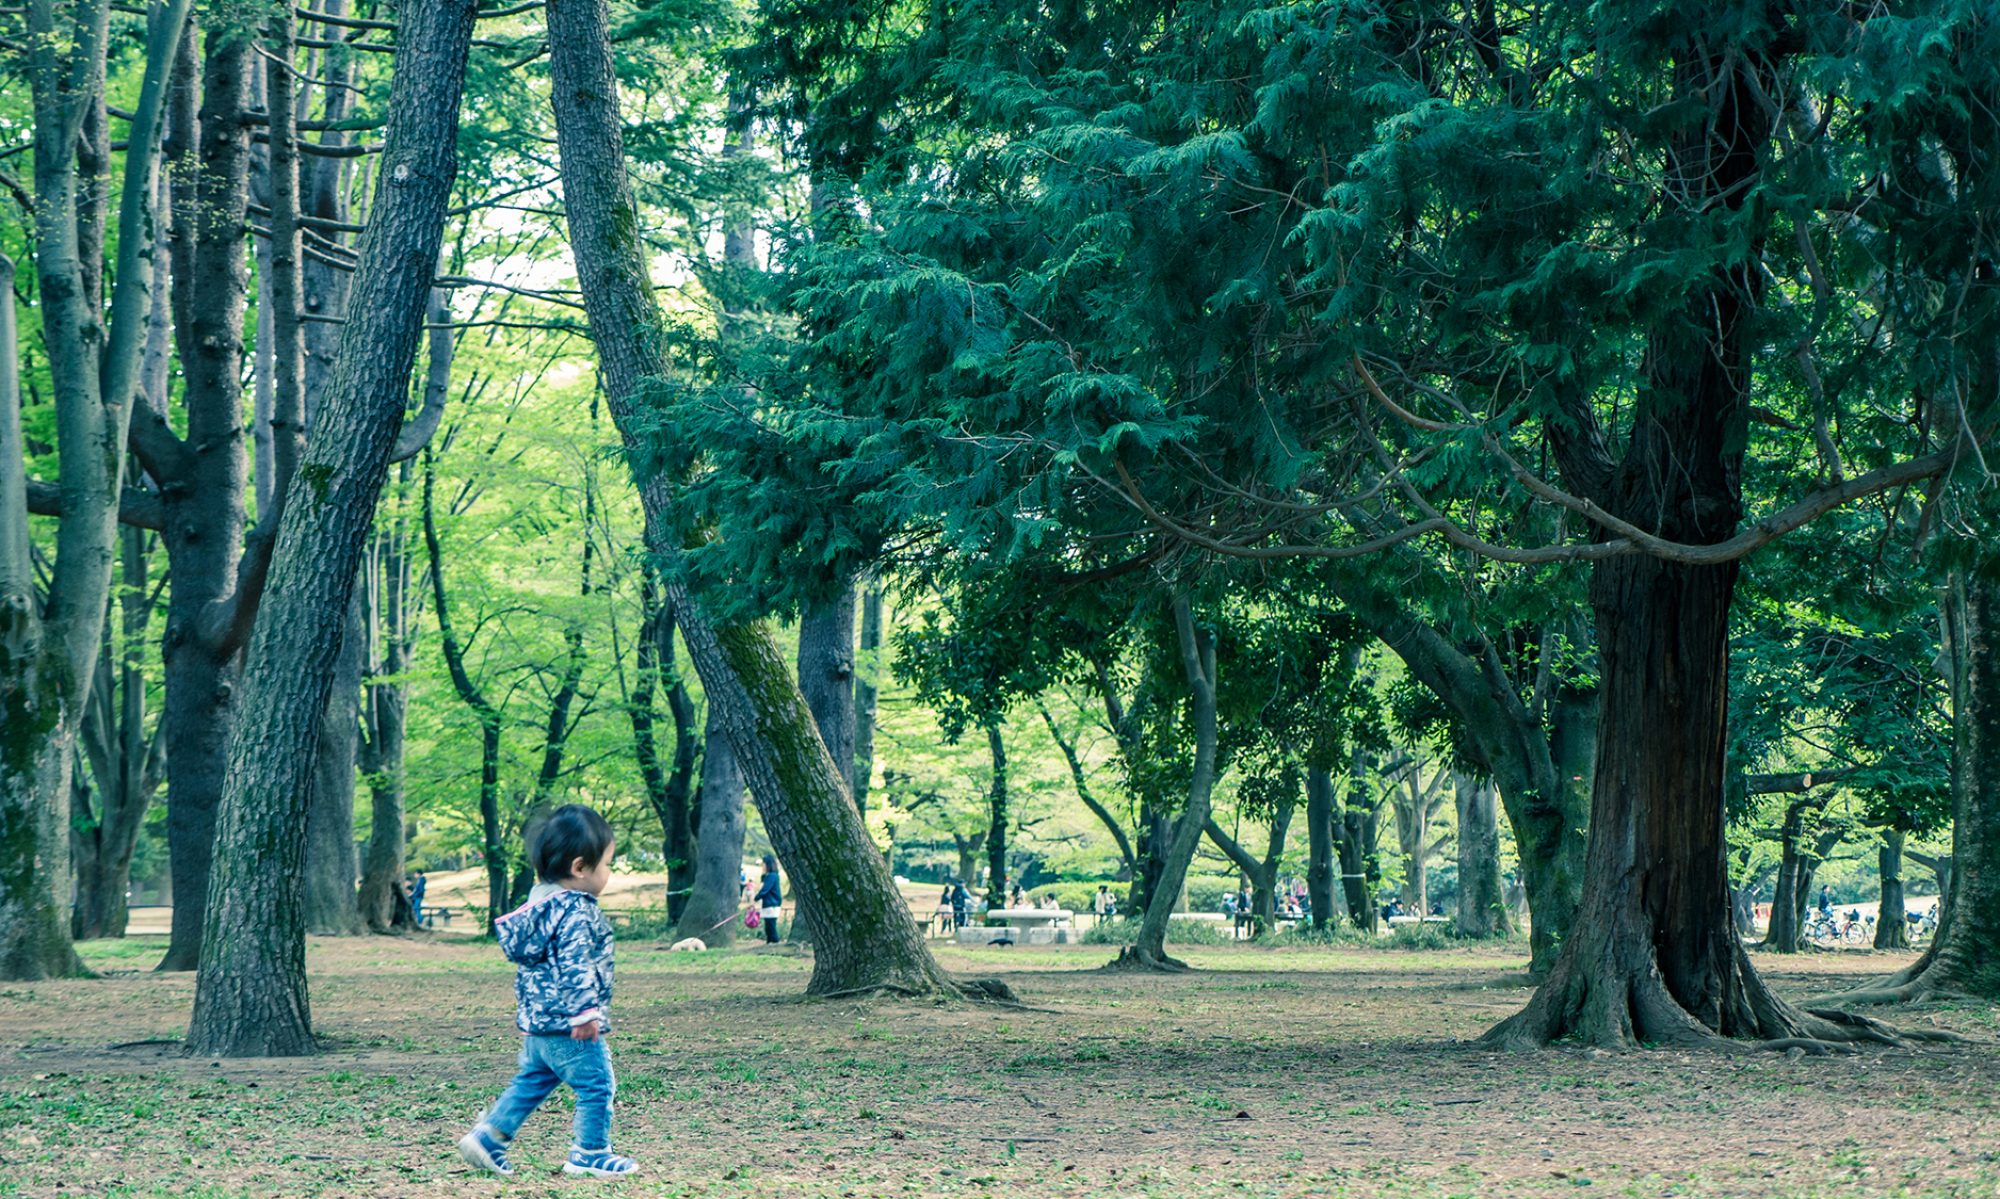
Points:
(1197, 647)
(715, 898)
(250, 995)
(826, 679)
(875, 944)
(1482, 905)
(1892, 931)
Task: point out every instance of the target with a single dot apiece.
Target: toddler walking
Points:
(561, 943)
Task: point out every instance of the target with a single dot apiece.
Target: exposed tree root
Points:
(1132, 957)
(1633, 1007)
(978, 990)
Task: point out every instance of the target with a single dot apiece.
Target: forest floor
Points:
(1267, 1073)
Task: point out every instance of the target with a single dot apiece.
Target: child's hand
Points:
(586, 1031)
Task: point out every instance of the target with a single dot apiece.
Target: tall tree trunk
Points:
(203, 477)
(1482, 907)
(801, 791)
(1892, 931)
(1356, 836)
(997, 816)
(826, 680)
(715, 901)
(1786, 931)
(1659, 960)
(250, 995)
(1198, 661)
(1321, 866)
(867, 672)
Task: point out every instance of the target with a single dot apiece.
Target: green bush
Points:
(1424, 936)
(1179, 932)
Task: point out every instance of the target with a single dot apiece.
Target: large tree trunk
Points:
(1964, 956)
(1659, 962)
(801, 791)
(1197, 647)
(715, 901)
(826, 680)
(1788, 902)
(1321, 866)
(1482, 907)
(1892, 931)
(250, 996)
(203, 490)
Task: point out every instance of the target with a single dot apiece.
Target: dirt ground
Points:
(1268, 1073)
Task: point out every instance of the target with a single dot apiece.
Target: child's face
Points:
(592, 878)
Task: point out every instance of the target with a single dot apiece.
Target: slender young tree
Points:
(250, 994)
(1197, 652)
(801, 792)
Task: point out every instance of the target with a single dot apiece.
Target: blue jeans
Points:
(548, 1062)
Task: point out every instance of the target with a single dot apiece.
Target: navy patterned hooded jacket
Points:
(561, 943)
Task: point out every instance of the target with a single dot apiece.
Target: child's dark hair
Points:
(571, 832)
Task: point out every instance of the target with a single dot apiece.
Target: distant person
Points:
(770, 899)
(1244, 910)
(961, 905)
(1014, 897)
(1825, 900)
(1100, 903)
(560, 943)
(417, 898)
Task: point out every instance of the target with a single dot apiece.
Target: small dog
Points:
(688, 945)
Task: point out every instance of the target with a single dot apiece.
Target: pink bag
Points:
(751, 918)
